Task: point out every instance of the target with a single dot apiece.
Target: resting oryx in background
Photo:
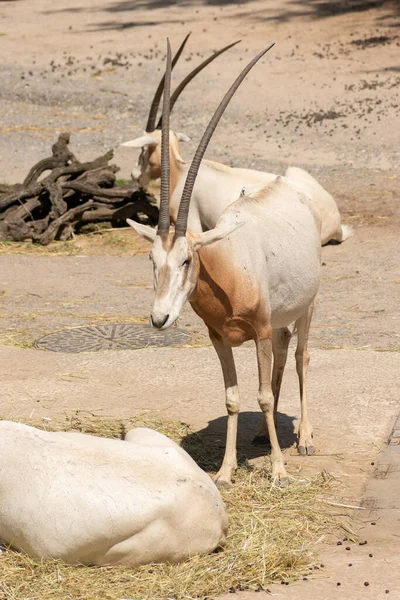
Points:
(249, 278)
(217, 185)
(97, 501)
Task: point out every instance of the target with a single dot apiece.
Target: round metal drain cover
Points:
(110, 337)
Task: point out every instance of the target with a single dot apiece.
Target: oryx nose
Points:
(159, 322)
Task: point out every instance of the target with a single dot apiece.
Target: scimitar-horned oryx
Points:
(96, 501)
(249, 278)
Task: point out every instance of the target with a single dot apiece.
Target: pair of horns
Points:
(151, 120)
(181, 222)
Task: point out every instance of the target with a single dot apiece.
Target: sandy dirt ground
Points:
(325, 98)
(326, 95)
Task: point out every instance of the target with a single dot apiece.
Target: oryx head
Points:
(175, 251)
(149, 161)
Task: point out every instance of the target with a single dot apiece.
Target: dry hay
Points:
(273, 534)
(98, 242)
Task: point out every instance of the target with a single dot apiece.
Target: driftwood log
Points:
(72, 194)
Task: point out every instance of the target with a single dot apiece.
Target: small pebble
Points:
(386, 591)
(338, 583)
(366, 583)
(348, 548)
(373, 523)
(370, 555)
(350, 564)
(363, 543)
(339, 543)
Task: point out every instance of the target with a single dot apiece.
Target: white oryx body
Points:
(273, 255)
(218, 185)
(331, 227)
(98, 501)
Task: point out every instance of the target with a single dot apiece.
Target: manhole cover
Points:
(110, 337)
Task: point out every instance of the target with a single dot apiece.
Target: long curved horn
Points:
(181, 222)
(163, 217)
(151, 119)
(190, 76)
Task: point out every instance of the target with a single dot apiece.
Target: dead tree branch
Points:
(54, 206)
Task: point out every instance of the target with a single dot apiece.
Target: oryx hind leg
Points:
(266, 402)
(280, 345)
(232, 399)
(305, 434)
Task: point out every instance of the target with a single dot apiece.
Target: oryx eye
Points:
(186, 263)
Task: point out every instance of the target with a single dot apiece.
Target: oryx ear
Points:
(214, 235)
(182, 137)
(140, 142)
(144, 230)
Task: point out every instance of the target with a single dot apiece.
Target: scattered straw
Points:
(116, 242)
(273, 534)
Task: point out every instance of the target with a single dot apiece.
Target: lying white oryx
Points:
(217, 185)
(98, 501)
(249, 278)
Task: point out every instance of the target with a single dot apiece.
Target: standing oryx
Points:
(217, 185)
(249, 278)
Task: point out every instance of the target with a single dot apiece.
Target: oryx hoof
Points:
(280, 481)
(284, 481)
(221, 483)
(306, 450)
(222, 478)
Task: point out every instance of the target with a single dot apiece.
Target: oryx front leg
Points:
(305, 435)
(266, 402)
(229, 463)
(280, 344)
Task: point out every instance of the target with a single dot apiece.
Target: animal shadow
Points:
(207, 446)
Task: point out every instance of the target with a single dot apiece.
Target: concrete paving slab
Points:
(382, 495)
(341, 581)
